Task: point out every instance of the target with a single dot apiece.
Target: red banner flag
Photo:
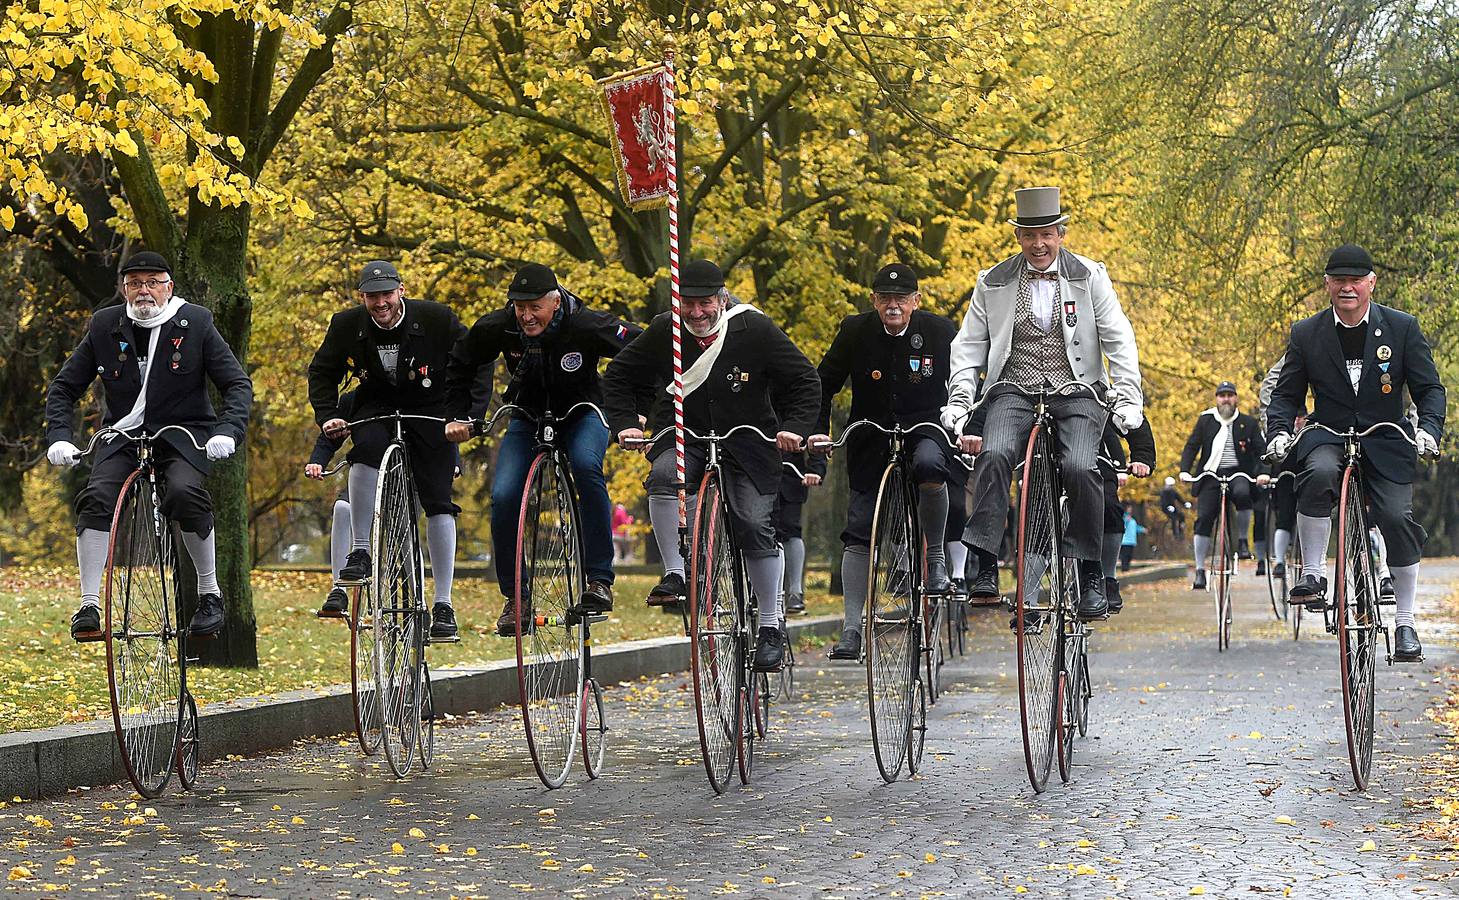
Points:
(642, 149)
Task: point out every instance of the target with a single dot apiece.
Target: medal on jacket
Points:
(916, 342)
(1070, 315)
(736, 377)
(425, 376)
(915, 364)
(1385, 352)
(926, 367)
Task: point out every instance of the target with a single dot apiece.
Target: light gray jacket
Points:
(1101, 332)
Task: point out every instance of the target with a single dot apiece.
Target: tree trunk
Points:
(213, 270)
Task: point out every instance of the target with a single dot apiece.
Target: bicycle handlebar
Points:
(824, 446)
(481, 426)
(138, 436)
(640, 443)
(1269, 456)
(1188, 478)
(1108, 401)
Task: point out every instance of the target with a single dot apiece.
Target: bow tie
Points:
(1036, 275)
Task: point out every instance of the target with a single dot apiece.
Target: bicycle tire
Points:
(427, 732)
(890, 633)
(369, 730)
(1220, 577)
(1276, 590)
(396, 609)
(761, 696)
(594, 725)
(1357, 621)
(188, 745)
(1038, 608)
(785, 681)
(917, 734)
(142, 662)
(549, 641)
(1294, 610)
(717, 630)
(932, 653)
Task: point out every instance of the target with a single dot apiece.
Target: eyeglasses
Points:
(150, 284)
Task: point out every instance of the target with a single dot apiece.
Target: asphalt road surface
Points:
(1205, 773)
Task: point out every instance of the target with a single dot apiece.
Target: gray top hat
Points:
(1038, 207)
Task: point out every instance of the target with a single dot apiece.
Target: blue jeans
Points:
(586, 440)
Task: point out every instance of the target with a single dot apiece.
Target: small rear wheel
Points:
(362, 673)
(187, 744)
(427, 718)
(594, 729)
(917, 732)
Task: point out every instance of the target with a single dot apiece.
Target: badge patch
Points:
(916, 342)
(1070, 314)
(622, 332)
(915, 363)
(571, 362)
(1387, 388)
(876, 374)
(1386, 378)
(1385, 352)
(1383, 366)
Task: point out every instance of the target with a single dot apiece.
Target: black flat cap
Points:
(378, 275)
(532, 281)
(896, 278)
(1349, 259)
(146, 261)
(700, 278)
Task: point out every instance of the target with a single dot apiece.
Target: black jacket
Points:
(1170, 499)
(349, 349)
(190, 352)
(564, 373)
(901, 380)
(1245, 432)
(1141, 441)
(1315, 361)
(760, 378)
(792, 488)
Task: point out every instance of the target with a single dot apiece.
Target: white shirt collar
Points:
(899, 333)
(1363, 321)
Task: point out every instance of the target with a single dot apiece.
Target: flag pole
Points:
(673, 173)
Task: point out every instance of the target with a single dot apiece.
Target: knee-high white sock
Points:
(1405, 589)
(340, 530)
(957, 558)
(1381, 548)
(362, 504)
(1313, 532)
(441, 544)
(764, 574)
(1281, 541)
(663, 515)
(1202, 550)
(794, 565)
(932, 516)
(91, 547)
(204, 558)
(855, 568)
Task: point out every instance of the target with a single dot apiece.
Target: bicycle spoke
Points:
(891, 639)
(1039, 612)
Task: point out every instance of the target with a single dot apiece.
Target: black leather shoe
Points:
(443, 622)
(86, 624)
(1385, 588)
(506, 623)
(937, 580)
(1311, 592)
(849, 647)
(769, 650)
(985, 586)
(597, 599)
(1199, 584)
(1261, 566)
(1406, 647)
(1242, 550)
(669, 590)
(1112, 592)
(1093, 604)
(356, 566)
(208, 619)
(336, 605)
(795, 604)
(1279, 570)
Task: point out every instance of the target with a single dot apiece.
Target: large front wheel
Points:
(549, 578)
(1357, 626)
(1222, 563)
(396, 609)
(142, 636)
(1038, 610)
(716, 626)
(891, 636)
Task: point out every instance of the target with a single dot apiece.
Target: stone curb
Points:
(50, 761)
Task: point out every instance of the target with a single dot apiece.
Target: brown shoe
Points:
(597, 599)
(506, 624)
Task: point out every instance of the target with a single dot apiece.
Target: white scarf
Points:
(698, 373)
(1223, 437)
(154, 324)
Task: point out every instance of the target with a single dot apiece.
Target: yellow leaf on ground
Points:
(396, 848)
(1368, 846)
(19, 873)
(1197, 891)
(1284, 820)
(416, 833)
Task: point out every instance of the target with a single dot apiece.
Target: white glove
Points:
(1127, 417)
(1427, 446)
(63, 453)
(1278, 446)
(220, 446)
(954, 418)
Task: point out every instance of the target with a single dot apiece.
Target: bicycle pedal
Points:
(1388, 601)
(453, 639)
(89, 637)
(342, 583)
(194, 660)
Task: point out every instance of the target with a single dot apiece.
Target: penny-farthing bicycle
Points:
(153, 712)
(1279, 568)
(902, 650)
(731, 700)
(1354, 612)
(561, 701)
(1222, 565)
(391, 622)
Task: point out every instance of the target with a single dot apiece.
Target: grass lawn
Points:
(47, 679)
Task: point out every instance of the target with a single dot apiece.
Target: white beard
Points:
(701, 332)
(151, 312)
